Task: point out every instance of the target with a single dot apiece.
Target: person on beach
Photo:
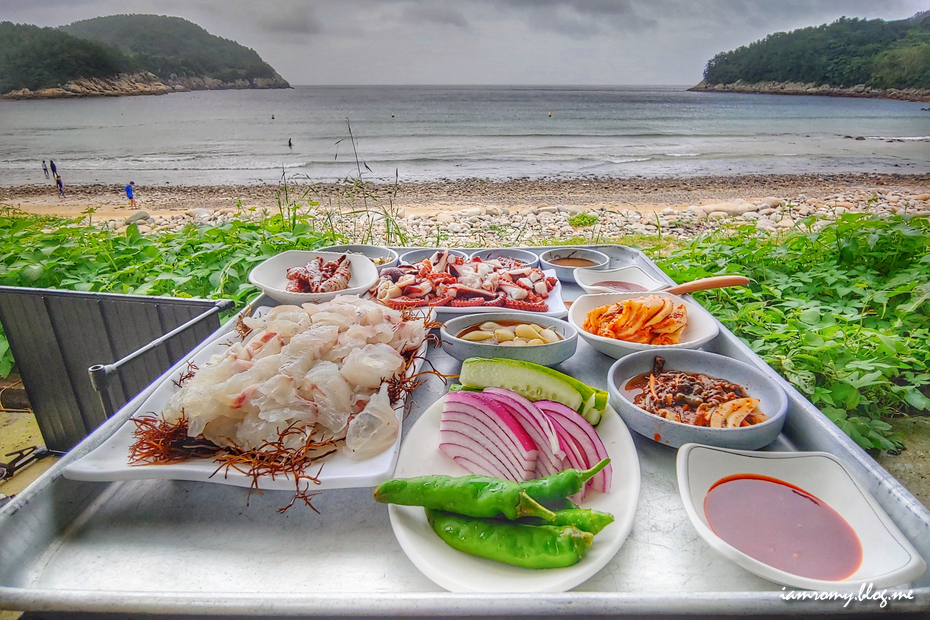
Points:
(45, 169)
(51, 164)
(290, 145)
(61, 189)
(130, 195)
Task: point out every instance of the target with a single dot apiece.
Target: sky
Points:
(499, 42)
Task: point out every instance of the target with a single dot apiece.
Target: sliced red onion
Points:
(537, 425)
(467, 412)
(585, 437)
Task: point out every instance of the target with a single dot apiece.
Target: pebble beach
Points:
(472, 213)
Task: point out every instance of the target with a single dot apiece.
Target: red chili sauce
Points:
(783, 526)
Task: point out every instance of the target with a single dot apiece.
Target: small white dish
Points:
(773, 401)
(888, 558)
(458, 572)
(567, 274)
(525, 256)
(383, 257)
(586, 278)
(271, 276)
(545, 354)
(416, 256)
(701, 326)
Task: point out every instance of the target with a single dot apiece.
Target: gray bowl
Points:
(545, 354)
(773, 401)
(415, 256)
(525, 256)
(565, 273)
(374, 252)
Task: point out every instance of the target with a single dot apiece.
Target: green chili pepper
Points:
(529, 546)
(566, 482)
(475, 496)
(584, 519)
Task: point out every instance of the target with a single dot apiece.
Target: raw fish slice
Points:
(373, 430)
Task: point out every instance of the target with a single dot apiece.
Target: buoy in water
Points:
(550, 114)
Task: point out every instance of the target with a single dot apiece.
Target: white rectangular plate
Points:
(557, 308)
(110, 461)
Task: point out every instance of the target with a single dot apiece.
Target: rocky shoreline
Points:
(795, 88)
(477, 213)
(143, 83)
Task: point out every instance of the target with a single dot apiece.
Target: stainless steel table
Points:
(176, 548)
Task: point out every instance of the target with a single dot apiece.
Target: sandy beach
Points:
(640, 194)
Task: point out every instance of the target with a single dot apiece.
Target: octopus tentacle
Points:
(539, 306)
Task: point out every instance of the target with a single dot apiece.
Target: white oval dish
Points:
(374, 252)
(459, 572)
(271, 276)
(545, 354)
(585, 278)
(888, 558)
(415, 256)
(773, 401)
(701, 326)
(528, 258)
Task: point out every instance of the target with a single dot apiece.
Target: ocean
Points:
(436, 133)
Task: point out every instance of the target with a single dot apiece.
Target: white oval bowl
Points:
(525, 256)
(888, 558)
(545, 354)
(271, 276)
(415, 256)
(773, 401)
(567, 274)
(701, 326)
(585, 278)
(374, 252)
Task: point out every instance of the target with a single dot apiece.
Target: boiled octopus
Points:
(445, 279)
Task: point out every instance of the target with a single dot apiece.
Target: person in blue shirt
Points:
(61, 188)
(51, 164)
(130, 195)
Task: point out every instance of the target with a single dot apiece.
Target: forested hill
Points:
(169, 46)
(849, 53)
(33, 57)
(124, 55)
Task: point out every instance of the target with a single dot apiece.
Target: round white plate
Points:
(459, 572)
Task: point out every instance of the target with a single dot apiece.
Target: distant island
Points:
(848, 58)
(124, 55)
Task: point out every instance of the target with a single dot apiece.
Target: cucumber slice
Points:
(531, 381)
(590, 412)
(458, 387)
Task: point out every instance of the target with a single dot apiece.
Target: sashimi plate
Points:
(557, 308)
(459, 572)
(109, 462)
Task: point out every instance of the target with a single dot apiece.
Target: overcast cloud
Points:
(611, 42)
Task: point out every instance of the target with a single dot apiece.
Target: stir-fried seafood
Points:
(319, 369)
(648, 320)
(694, 398)
(448, 280)
(318, 276)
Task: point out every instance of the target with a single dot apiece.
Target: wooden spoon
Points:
(703, 284)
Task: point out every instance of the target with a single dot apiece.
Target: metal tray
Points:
(184, 548)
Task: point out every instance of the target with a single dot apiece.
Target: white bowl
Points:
(525, 256)
(271, 276)
(416, 256)
(700, 329)
(567, 274)
(388, 256)
(545, 354)
(888, 558)
(773, 401)
(585, 278)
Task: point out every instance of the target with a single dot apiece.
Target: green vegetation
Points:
(34, 58)
(848, 52)
(171, 45)
(583, 219)
(843, 313)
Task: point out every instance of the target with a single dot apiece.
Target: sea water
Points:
(435, 133)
